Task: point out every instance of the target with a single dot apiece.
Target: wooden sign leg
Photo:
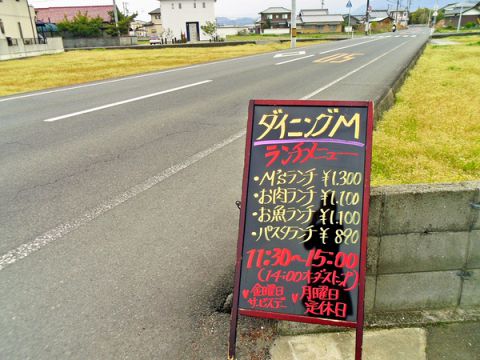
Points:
(359, 342)
(232, 343)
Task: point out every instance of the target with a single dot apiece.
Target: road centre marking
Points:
(338, 58)
(125, 101)
(61, 230)
(294, 53)
(289, 61)
(327, 51)
(350, 73)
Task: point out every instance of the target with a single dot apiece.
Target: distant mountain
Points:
(224, 21)
(392, 5)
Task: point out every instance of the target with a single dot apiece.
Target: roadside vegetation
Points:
(76, 67)
(432, 134)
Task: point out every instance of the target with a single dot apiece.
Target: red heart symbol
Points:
(295, 298)
(245, 293)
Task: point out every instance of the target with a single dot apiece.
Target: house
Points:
(154, 27)
(54, 15)
(138, 28)
(18, 32)
(186, 17)
(17, 21)
(319, 21)
(275, 18)
(470, 13)
(400, 16)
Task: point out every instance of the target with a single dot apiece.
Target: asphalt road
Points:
(118, 222)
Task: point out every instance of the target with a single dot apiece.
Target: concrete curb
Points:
(387, 100)
(443, 35)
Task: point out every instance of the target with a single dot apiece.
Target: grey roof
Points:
(275, 10)
(322, 19)
(156, 11)
(314, 12)
(454, 9)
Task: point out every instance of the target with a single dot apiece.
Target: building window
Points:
(179, 5)
(284, 16)
(194, 5)
(204, 5)
(173, 6)
(269, 16)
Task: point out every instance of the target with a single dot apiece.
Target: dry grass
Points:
(432, 134)
(83, 66)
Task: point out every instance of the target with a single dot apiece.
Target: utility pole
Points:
(115, 16)
(396, 13)
(435, 13)
(460, 18)
(293, 25)
(366, 18)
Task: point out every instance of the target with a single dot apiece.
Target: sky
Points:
(227, 8)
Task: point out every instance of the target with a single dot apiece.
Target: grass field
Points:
(432, 134)
(77, 67)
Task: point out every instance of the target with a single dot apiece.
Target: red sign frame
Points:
(359, 324)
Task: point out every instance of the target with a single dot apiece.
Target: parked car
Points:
(155, 40)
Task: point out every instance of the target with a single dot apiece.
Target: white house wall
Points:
(13, 12)
(175, 18)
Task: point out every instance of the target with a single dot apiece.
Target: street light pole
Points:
(293, 25)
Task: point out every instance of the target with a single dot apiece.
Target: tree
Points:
(210, 29)
(82, 26)
(420, 16)
(124, 22)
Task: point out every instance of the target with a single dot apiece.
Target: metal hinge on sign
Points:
(465, 275)
(475, 206)
(239, 204)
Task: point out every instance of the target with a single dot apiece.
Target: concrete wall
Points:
(424, 247)
(276, 31)
(74, 43)
(53, 46)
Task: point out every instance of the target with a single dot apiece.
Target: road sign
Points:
(349, 4)
(301, 252)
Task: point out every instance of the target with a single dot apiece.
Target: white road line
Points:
(325, 52)
(61, 230)
(309, 96)
(289, 61)
(346, 47)
(397, 36)
(125, 101)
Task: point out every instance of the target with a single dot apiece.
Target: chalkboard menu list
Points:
(304, 210)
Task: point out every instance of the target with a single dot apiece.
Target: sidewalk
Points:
(453, 341)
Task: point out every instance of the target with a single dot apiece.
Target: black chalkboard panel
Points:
(304, 216)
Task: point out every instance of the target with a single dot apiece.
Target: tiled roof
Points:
(276, 10)
(58, 14)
